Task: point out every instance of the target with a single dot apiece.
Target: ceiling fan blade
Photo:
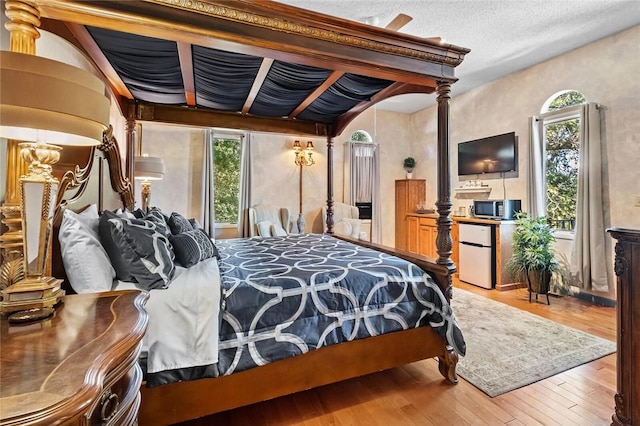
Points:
(398, 22)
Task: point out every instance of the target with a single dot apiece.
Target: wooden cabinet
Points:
(428, 232)
(627, 264)
(409, 194)
(422, 232)
(78, 367)
(413, 234)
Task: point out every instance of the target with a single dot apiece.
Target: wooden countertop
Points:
(465, 219)
(58, 365)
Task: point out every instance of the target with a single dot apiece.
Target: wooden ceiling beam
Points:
(200, 117)
(257, 84)
(186, 66)
(74, 34)
(333, 77)
(393, 90)
(101, 61)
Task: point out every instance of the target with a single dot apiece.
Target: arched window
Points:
(561, 137)
(360, 136)
(565, 181)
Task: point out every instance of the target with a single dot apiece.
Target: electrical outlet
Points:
(637, 202)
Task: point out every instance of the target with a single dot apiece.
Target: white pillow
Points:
(264, 228)
(349, 227)
(342, 228)
(86, 262)
(124, 213)
(278, 231)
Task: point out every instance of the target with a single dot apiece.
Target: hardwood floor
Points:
(416, 394)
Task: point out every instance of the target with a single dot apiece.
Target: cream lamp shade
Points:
(148, 168)
(47, 101)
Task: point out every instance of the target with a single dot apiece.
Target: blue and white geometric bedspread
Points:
(284, 296)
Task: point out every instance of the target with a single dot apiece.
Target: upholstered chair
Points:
(345, 221)
(266, 220)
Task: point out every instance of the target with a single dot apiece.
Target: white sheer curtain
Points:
(364, 181)
(536, 176)
(588, 260)
(207, 211)
(244, 195)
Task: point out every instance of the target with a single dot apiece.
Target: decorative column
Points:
(444, 243)
(133, 148)
(24, 19)
(330, 183)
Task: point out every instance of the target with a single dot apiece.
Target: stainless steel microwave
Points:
(496, 209)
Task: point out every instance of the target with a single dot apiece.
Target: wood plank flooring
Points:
(416, 394)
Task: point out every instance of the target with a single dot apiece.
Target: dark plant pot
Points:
(539, 281)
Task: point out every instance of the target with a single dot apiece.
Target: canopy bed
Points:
(256, 66)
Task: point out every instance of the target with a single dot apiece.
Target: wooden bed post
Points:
(131, 147)
(330, 183)
(444, 242)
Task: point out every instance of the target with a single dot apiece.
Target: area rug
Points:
(508, 348)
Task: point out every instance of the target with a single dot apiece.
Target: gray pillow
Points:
(138, 251)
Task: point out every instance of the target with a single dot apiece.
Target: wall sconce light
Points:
(304, 157)
(44, 101)
(147, 169)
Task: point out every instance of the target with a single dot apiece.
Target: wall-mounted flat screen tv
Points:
(495, 154)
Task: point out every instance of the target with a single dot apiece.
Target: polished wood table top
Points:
(56, 367)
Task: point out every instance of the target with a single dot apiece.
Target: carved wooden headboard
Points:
(89, 175)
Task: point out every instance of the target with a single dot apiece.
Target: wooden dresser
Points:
(627, 263)
(78, 367)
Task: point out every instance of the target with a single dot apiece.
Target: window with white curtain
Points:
(226, 177)
(363, 162)
(560, 130)
(565, 181)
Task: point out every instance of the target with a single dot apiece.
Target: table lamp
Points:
(44, 103)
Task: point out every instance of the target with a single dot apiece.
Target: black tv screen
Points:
(494, 154)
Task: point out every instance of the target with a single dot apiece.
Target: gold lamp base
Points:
(32, 293)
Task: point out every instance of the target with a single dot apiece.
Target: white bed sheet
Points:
(183, 319)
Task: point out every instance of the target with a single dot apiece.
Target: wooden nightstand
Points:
(78, 367)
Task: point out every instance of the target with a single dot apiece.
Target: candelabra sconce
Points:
(304, 157)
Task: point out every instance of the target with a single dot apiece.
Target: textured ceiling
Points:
(504, 36)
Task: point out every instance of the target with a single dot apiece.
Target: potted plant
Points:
(409, 164)
(533, 260)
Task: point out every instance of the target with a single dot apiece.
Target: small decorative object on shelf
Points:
(409, 164)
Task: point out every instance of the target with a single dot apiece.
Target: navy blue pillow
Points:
(179, 224)
(138, 251)
(192, 247)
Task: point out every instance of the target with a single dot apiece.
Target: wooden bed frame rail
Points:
(182, 401)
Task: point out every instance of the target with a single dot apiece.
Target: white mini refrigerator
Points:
(477, 254)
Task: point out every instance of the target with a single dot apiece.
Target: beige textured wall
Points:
(605, 72)
(181, 149)
(275, 177)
